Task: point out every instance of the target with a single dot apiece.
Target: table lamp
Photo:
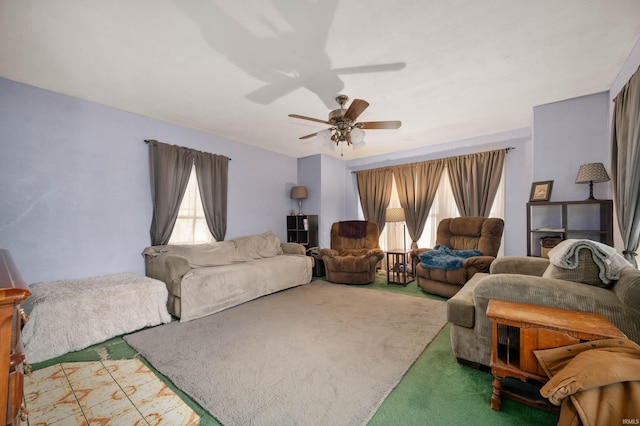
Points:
(592, 172)
(396, 214)
(299, 193)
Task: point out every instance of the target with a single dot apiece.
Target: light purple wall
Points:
(75, 198)
(309, 168)
(567, 134)
(323, 176)
(333, 198)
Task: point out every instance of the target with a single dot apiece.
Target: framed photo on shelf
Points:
(541, 191)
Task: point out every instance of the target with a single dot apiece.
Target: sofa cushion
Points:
(257, 246)
(587, 271)
(209, 290)
(222, 253)
(198, 255)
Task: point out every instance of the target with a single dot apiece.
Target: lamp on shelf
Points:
(299, 193)
(396, 214)
(590, 173)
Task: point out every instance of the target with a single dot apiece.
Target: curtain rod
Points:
(435, 159)
(152, 140)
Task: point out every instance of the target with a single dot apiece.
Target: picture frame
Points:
(541, 191)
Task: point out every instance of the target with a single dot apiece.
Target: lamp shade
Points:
(299, 192)
(325, 136)
(357, 136)
(325, 139)
(592, 172)
(395, 214)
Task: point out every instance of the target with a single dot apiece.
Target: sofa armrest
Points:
(627, 288)
(167, 268)
(293, 248)
(460, 308)
(377, 253)
(327, 253)
(481, 263)
(523, 265)
(415, 254)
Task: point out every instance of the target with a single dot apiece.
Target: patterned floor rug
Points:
(102, 393)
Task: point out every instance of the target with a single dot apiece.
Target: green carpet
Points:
(436, 390)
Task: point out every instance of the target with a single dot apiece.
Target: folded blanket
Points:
(442, 257)
(610, 263)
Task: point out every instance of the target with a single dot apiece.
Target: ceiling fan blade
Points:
(396, 66)
(309, 118)
(355, 109)
(379, 124)
(308, 136)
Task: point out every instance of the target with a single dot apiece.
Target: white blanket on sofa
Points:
(70, 315)
(565, 255)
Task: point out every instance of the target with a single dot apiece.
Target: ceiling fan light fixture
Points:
(357, 145)
(325, 136)
(344, 126)
(326, 139)
(357, 136)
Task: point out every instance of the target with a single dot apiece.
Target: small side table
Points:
(519, 329)
(397, 267)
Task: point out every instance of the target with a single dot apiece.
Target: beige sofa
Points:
(531, 280)
(206, 278)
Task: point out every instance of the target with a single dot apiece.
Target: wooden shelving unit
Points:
(303, 229)
(589, 219)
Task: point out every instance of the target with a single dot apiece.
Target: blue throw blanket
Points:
(442, 257)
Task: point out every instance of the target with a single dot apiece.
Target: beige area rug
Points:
(318, 354)
(102, 393)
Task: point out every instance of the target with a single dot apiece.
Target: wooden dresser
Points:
(13, 291)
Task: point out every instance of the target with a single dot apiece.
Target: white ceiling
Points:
(448, 69)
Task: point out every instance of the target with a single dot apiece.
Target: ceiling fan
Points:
(344, 127)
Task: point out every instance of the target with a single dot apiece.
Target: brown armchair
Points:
(461, 233)
(354, 252)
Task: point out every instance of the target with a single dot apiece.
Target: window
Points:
(444, 206)
(191, 225)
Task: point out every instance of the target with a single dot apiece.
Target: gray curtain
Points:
(625, 157)
(374, 188)
(417, 185)
(170, 167)
(474, 181)
(213, 178)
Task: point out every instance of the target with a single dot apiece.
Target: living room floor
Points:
(436, 390)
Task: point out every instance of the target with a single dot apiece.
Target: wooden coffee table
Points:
(519, 329)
